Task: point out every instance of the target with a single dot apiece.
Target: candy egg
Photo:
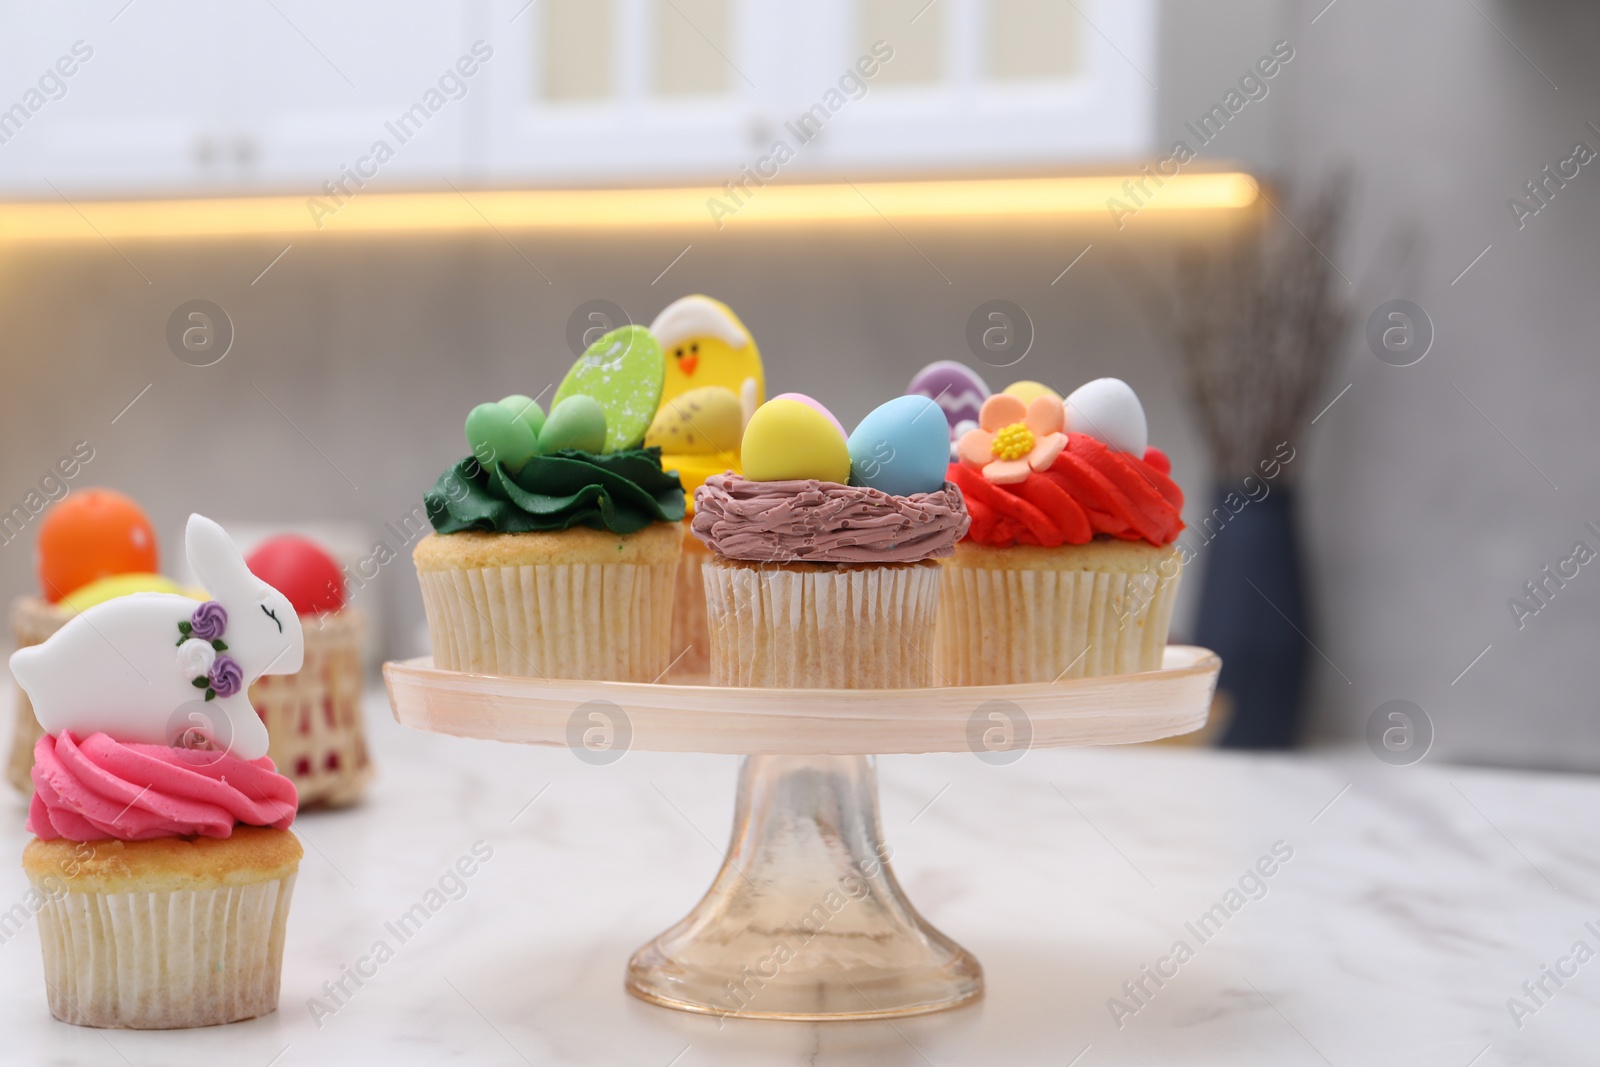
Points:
(298, 568)
(1108, 410)
(801, 398)
(698, 422)
(623, 371)
(787, 439)
(578, 422)
(114, 585)
(495, 435)
(955, 387)
(525, 408)
(91, 534)
(1028, 392)
(901, 447)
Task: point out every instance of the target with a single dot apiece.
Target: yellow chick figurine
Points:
(714, 383)
(706, 344)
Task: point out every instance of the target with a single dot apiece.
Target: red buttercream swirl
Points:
(1090, 490)
(97, 788)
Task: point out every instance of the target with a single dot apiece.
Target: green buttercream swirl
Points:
(619, 491)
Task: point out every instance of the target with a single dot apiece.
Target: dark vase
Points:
(1257, 631)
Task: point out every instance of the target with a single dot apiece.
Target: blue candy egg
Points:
(902, 447)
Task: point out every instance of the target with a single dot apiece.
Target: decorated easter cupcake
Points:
(825, 568)
(556, 543)
(314, 715)
(93, 545)
(162, 864)
(1069, 568)
(714, 382)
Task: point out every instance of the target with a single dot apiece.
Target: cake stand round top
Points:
(668, 717)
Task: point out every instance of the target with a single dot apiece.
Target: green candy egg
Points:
(498, 436)
(527, 409)
(624, 372)
(577, 422)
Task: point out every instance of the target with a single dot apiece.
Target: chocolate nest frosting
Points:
(824, 522)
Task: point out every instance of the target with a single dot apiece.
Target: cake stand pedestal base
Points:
(805, 920)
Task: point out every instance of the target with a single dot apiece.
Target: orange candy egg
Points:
(91, 534)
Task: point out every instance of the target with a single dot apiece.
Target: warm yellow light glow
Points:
(594, 209)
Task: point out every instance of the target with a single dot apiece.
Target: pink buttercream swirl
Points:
(823, 522)
(97, 788)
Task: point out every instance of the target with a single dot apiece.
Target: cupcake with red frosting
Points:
(1069, 568)
(162, 864)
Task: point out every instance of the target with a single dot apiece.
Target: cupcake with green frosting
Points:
(556, 542)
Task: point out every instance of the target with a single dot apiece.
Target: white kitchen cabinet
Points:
(176, 97)
(971, 84)
(182, 96)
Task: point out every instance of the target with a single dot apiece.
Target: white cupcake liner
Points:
(164, 960)
(576, 620)
(1002, 626)
(691, 641)
(846, 628)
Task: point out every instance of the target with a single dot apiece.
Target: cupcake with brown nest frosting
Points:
(825, 570)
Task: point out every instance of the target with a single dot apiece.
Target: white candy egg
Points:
(1108, 410)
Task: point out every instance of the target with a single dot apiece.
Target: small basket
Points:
(316, 736)
(33, 620)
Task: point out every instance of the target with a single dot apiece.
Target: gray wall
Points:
(1428, 515)
(1423, 518)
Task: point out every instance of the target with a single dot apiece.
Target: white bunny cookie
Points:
(134, 667)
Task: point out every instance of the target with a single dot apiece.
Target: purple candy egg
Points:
(955, 387)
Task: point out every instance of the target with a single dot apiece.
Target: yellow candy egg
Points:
(697, 422)
(115, 585)
(1027, 391)
(790, 440)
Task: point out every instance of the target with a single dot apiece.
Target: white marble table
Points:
(1415, 903)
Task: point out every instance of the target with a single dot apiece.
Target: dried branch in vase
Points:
(1258, 321)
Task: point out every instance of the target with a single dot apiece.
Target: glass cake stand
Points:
(806, 920)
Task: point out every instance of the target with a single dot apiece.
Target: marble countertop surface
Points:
(1405, 910)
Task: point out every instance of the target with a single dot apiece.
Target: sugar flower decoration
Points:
(1012, 439)
(209, 621)
(200, 652)
(195, 658)
(226, 678)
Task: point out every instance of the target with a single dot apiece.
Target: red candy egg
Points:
(300, 570)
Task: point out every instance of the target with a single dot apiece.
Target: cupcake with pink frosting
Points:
(162, 864)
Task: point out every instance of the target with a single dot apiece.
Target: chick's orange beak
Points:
(687, 364)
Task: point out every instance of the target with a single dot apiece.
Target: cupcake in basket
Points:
(714, 383)
(93, 545)
(313, 716)
(555, 545)
(824, 570)
(162, 864)
(1069, 568)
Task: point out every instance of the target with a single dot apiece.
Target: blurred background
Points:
(1338, 157)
